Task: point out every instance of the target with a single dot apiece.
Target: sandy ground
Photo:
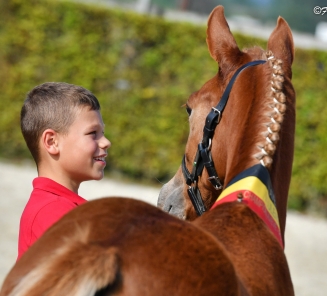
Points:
(306, 237)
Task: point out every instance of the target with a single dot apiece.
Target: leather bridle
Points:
(203, 158)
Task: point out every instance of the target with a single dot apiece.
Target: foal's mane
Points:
(274, 108)
(271, 114)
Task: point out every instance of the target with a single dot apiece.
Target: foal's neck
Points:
(257, 111)
(259, 103)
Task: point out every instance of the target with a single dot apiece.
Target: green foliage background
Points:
(142, 70)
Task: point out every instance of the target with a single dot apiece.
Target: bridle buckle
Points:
(217, 112)
(216, 180)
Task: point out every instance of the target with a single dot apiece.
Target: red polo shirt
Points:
(48, 202)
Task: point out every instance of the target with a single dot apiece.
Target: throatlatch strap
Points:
(222, 103)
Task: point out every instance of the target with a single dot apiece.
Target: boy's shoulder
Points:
(46, 192)
(49, 201)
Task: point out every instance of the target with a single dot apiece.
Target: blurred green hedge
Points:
(142, 69)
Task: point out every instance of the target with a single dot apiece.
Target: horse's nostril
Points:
(170, 207)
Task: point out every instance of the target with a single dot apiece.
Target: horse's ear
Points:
(221, 43)
(281, 43)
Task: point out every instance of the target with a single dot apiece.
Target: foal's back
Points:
(118, 246)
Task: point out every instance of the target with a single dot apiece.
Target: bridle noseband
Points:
(203, 156)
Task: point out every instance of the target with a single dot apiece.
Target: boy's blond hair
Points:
(52, 105)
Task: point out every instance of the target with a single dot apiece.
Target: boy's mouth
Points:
(100, 158)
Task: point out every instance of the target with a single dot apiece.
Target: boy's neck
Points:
(58, 177)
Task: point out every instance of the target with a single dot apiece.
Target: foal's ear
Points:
(221, 43)
(281, 43)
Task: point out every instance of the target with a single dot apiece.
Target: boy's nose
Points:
(104, 143)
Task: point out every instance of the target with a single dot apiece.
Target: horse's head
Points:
(256, 125)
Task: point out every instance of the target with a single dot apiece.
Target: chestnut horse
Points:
(121, 246)
(257, 124)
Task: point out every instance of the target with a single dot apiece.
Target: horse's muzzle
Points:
(171, 199)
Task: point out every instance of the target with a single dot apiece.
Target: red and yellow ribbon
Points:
(253, 188)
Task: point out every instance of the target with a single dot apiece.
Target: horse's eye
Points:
(188, 110)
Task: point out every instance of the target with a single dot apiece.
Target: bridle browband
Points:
(203, 156)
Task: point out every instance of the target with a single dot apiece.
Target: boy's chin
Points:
(95, 174)
(98, 177)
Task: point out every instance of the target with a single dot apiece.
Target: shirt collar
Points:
(53, 187)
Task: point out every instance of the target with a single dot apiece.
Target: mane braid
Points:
(275, 114)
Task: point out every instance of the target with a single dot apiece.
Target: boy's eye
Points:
(188, 110)
(95, 133)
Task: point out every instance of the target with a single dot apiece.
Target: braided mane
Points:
(275, 111)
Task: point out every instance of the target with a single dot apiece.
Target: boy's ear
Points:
(49, 140)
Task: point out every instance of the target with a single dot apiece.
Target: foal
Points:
(256, 126)
(253, 131)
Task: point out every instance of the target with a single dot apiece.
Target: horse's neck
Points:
(256, 112)
(281, 169)
(245, 124)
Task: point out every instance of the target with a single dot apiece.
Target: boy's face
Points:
(84, 148)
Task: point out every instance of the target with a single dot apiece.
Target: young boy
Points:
(63, 129)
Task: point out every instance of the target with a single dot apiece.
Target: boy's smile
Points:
(101, 159)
